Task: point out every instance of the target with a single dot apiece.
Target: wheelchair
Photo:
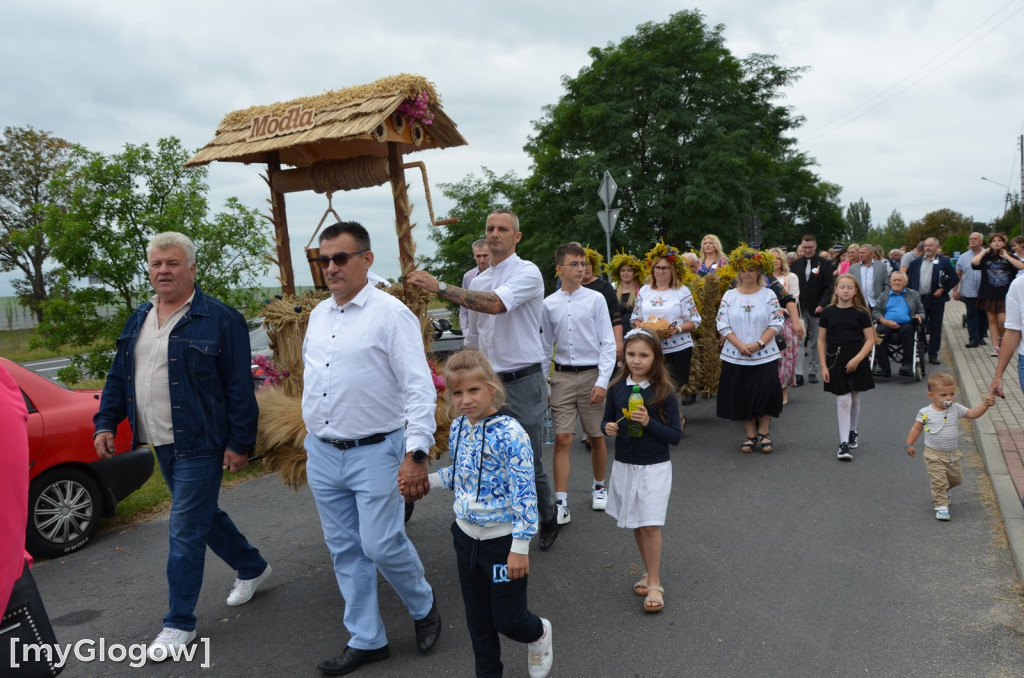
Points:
(894, 348)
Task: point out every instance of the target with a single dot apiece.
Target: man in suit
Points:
(814, 274)
(933, 276)
(872, 275)
(899, 311)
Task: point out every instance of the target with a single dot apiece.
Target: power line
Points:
(849, 116)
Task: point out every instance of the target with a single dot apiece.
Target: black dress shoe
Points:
(812, 378)
(933, 360)
(905, 371)
(548, 534)
(428, 629)
(972, 344)
(882, 373)
(799, 380)
(351, 659)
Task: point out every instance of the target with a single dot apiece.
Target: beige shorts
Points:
(570, 397)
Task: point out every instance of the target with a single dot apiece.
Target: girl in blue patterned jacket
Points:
(495, 515)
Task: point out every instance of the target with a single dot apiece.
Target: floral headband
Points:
(622, 259)
(746, 258)
(594, 257)
(670, 254)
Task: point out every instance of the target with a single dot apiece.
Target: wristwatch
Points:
(441, 286)
(418, 456)
(760, 343)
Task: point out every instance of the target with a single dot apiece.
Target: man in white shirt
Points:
(482, 255)
(368, 403)
(576, 324)
(871, 275)
(1011, 344)
(505, 305)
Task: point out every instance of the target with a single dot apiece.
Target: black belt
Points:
(349, 444)
(516, 375)
(574, 368)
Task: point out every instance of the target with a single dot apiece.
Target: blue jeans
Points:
(197, 522)
(1020, 372)
(363, 518)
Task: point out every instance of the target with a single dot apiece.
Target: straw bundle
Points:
(281, 434)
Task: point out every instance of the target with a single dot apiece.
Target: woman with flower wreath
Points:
(626, 272)
(592, 266)
(665, 297)
(712, 257)
(749, 317)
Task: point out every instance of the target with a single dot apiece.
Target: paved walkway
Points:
(1000, 437)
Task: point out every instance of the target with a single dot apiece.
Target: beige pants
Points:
(944, 471)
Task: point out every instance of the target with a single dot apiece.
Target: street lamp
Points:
(1009, 196)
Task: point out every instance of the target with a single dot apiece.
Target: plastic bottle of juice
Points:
(635, 400)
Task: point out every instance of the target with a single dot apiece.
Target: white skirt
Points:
(638, 495)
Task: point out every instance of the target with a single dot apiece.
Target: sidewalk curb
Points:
(974, 387)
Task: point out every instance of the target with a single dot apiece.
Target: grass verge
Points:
(154, 497)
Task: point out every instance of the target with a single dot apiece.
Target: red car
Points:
(71, 488)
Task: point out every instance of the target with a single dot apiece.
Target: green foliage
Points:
(693, 137)
(891, 235)
(29, 159)
(1010, 222)
(858, 221)
(940, 224)
(115, 205)
(954, 243)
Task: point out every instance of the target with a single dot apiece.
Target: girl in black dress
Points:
(845, 340)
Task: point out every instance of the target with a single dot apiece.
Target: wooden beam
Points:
(280, 217)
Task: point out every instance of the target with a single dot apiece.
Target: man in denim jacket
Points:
(182, 377)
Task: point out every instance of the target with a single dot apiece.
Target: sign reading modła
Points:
(265, 126)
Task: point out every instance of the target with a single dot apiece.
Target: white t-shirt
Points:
(1015, 309)
(942, 428)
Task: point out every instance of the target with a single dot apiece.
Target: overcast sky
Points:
(907, 104)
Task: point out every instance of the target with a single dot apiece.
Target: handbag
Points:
(25, 622)
(780, 341)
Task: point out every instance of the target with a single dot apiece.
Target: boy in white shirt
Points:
(576, 325)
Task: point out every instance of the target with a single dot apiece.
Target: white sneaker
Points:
(167, 644)
(600, 498)
(541, 653)
(563, 513)
(941, 513)
(245, 588)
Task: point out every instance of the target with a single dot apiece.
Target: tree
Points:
(29, 159)
(891, 235)
(1010, 222)
(858, 221)
(114, 206)
(693, 137)
(940, 224)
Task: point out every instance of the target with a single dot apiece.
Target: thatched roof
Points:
(344, 123)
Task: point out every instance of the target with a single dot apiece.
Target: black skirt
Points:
(840, 381)
(749, 391)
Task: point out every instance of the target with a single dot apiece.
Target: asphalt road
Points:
(790, 564)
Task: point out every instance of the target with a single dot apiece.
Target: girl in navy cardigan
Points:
(641, 477)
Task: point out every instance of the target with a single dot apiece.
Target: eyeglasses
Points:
(339, 258)
(575, 264)
(662, 269)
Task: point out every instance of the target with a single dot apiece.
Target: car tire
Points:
(64, 511)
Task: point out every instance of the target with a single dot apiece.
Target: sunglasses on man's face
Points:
(339, 258)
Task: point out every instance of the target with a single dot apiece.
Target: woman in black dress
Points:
(998, 268)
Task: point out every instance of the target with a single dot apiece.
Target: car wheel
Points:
(64, 511)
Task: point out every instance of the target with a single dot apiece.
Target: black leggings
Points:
(679, 365)
(491, 607)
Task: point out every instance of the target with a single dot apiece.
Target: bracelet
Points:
(907, 447)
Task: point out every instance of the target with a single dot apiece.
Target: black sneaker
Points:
(853, 440)
(799, 380)
(844, 452)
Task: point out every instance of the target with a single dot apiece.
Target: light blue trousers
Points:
(362, 515)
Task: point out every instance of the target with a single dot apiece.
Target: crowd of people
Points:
(614, 357)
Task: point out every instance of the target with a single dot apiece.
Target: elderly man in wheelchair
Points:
(898, 311)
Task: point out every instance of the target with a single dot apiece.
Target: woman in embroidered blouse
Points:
(711, 255)
(749, 317)
(790, 354)
(666, 297)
